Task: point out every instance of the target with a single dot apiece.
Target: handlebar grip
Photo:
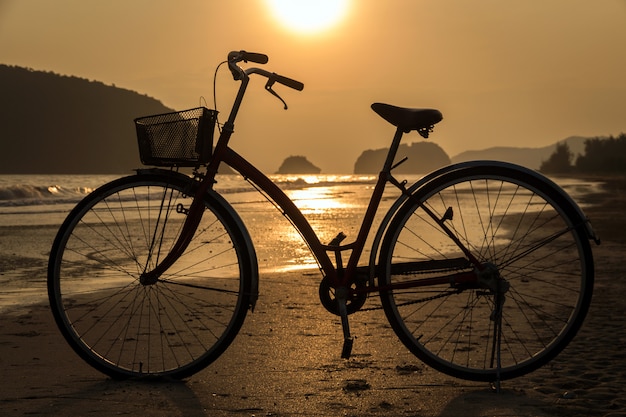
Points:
(254, 57)
(296, 85)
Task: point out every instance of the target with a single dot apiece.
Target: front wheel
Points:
(533, 244)
(173, 327)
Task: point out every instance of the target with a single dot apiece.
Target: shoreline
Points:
(285, 361)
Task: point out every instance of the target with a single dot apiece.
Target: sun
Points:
(308, 16)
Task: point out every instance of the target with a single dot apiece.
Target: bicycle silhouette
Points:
(484, 269)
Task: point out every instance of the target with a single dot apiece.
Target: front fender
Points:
(252, 262)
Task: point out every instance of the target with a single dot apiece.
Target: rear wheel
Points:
(531, 302)
(171, 328)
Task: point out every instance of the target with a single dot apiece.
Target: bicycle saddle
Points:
(407, 119)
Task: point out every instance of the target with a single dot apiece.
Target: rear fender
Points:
(374, 254)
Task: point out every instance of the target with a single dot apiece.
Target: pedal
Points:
(338, 239)
(347, 348)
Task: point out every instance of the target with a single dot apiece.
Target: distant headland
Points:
(68, 125)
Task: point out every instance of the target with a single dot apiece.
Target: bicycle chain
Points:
(421, 300)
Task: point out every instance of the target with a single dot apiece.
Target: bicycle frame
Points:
(339, 276)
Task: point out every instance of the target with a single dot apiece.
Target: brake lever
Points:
(268, 87)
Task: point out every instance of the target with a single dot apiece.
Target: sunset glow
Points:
(308, 16)
(497, 82)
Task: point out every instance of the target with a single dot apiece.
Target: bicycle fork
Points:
(194, 216)
(196, 209)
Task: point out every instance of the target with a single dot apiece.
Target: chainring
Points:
(329, 301)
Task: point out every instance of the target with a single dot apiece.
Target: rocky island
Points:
(298, 165)
(422, 157)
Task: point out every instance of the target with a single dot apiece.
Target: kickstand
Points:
(341, 296)
(347, 338)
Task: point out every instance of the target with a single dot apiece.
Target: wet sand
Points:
(286, 360)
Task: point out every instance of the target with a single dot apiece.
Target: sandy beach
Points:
(286, 360)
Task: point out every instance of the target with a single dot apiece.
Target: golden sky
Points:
(504, 73)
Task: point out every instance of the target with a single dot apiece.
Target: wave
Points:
(235, 183)
(26, 190)
(26, 194)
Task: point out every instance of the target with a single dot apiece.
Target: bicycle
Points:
(484, 269)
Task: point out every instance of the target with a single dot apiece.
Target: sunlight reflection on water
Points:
(331, 203)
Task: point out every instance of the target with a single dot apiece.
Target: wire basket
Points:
(183, 138)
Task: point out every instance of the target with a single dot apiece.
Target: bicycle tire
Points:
(509, 218)
(172, 328)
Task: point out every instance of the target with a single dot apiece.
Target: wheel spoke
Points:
(543, 268)
(173, 327)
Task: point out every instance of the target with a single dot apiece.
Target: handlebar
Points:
(291, 83)
(235, 57)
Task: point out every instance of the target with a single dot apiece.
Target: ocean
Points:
(331, 203)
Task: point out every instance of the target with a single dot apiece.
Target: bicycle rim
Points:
(174, 327)
(533, 237)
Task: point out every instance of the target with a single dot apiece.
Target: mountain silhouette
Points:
(55, 124)
(528, 157)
